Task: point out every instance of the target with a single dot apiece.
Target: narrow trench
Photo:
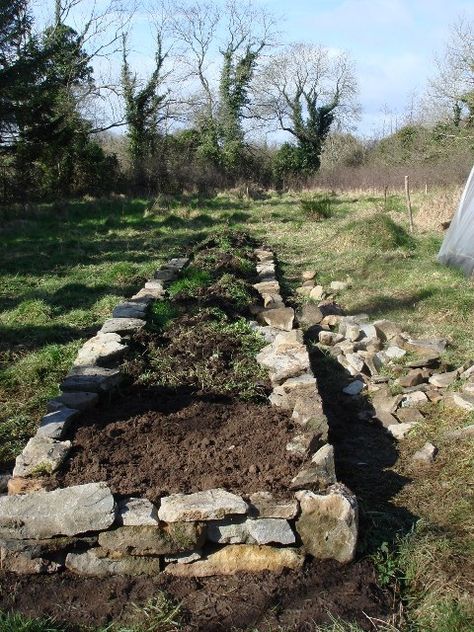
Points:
(364, 455)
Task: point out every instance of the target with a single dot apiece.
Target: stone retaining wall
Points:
(89, 531)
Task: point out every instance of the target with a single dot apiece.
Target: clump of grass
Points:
(378, 232)
(160, 614)
(317, 207)
(161, 314)
(14, 622)
(235, 290)
(192, 279)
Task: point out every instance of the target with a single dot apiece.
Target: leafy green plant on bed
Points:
(235, 290)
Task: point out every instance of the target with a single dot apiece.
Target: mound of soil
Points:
(292, 601)
(156, 443)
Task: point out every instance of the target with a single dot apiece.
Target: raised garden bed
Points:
(191, 470)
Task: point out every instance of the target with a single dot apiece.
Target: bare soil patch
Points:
(156, 443)
(295, 601)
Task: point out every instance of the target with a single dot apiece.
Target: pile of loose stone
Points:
(88, 530)
(382, 359)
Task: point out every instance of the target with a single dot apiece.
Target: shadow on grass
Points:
(364, 454)
(384, 302)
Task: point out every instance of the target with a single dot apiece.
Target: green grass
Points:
(192, 279)
(64, 267)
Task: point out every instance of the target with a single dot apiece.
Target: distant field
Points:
(63, 268)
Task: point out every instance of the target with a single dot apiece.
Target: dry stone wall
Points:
(87, 530)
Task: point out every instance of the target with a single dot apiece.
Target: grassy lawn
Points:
(64, 268)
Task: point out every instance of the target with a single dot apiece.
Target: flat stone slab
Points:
(264, 505)
(154, 285)
(166, 275)
(267, 287)
(464, 400)
(443, 380)
(90, 564)
(279, 318)
(414, 399)
(92, 379)
(70, 511)
(137, 512)
(285, 364)
(56, 425)
(328, 524)
(130, 309)
(213, 504)
(41, 455)
(152, 540)
(79, 400)
(102, 350)
(240, 558)
(284, 395)
(249, 531)
(177, 262)
(122, 326)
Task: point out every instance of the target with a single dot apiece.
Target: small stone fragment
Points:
(213, 504)
(4, 478)
(409, 415)
(395, 353)
(184, 558)
(339, 286)
(137, 512)
(284, 395)
(230, 531)
(41, 455)
(464, 401)
(155, 286)
(426, 455)
(310, 315)
(319, 473)
(303, 443)
(329, 338)
(240, 558)
(317, 293)
(387, 329)
(414, 399)
(443, 380)
(280, 318)
(308, 413)
(356, 362)
(467, 373)
(412, 379)
(308, 275)
(328, 524)
(400, 431)
(267, 287)
(270, 531)
(22, 485)
(354, 388)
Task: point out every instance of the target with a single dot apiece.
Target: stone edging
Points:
(85, 529)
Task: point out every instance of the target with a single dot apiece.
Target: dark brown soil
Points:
(155, 443)
(295, 601)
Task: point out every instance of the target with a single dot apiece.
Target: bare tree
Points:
(453, 84)
(306, 90)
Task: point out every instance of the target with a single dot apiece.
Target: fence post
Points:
(407, 195)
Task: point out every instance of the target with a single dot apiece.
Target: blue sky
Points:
(393, 43)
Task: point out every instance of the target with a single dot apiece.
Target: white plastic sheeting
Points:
(458, 245)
